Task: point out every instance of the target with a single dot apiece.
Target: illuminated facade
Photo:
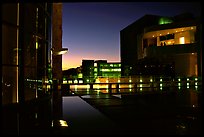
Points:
(26, 38)
(174, 42)
(99, 68)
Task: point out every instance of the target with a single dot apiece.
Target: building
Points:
(92, 69)
(173, 43)
(102, 68)
(26, 38)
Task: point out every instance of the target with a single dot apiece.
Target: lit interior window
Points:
(182, 40)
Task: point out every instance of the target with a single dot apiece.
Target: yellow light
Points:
(160, 85)
(160, 80)
(196, 87)
(160, 88)
(151, 80)
(187, 86)
(63, 123)
(36, 44)
(75, 81)
(140, 85)
(196, 83)
(196, 79)
(64, 81)
(140, 89)
(140, 80)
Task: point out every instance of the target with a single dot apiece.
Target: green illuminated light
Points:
(160, 85)
(164, 20)
(196, 83)
(179, 79)
(179, 84)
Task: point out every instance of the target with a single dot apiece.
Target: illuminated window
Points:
(182, 40)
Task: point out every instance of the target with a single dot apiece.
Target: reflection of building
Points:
(174, 42)
(26, 38)
(100, 68)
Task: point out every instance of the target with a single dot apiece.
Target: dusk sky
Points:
(92, 30)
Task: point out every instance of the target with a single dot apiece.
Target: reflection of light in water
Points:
(187, 86)
(87, 91)
(88, 86)
(36, 115)
(196, 87)
(75, 87)
(160, 88)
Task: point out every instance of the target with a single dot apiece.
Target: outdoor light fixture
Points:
(59, 52)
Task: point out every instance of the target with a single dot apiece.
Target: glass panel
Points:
(9, 85)
(9, 13)
(9, 42)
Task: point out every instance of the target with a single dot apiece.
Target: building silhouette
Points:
(173, 42)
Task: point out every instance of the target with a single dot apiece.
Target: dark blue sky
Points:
(91, 30)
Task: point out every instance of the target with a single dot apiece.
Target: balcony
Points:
(153, 51)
